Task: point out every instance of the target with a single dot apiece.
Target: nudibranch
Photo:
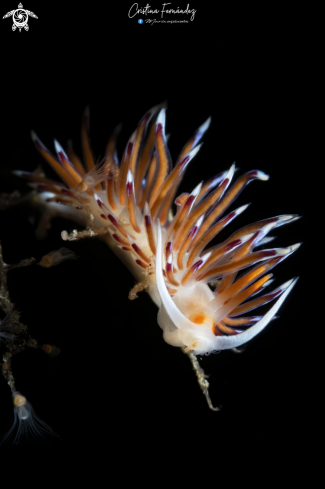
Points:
(202, 302)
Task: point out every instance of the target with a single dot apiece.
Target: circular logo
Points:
(20, 18)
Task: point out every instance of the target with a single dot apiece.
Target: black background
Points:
(118, 395)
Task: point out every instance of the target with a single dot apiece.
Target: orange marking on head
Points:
(199, 318)
(202, 318)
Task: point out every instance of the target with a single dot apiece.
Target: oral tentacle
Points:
(226, 342)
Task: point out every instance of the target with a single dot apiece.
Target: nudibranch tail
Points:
(201, 300)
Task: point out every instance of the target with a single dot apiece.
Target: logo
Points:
(168, 14)
(20, 18)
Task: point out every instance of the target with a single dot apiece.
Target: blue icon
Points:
(140, 21)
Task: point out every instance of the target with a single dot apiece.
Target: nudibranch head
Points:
(203, 303)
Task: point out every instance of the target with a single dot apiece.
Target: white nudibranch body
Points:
(201, 300)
